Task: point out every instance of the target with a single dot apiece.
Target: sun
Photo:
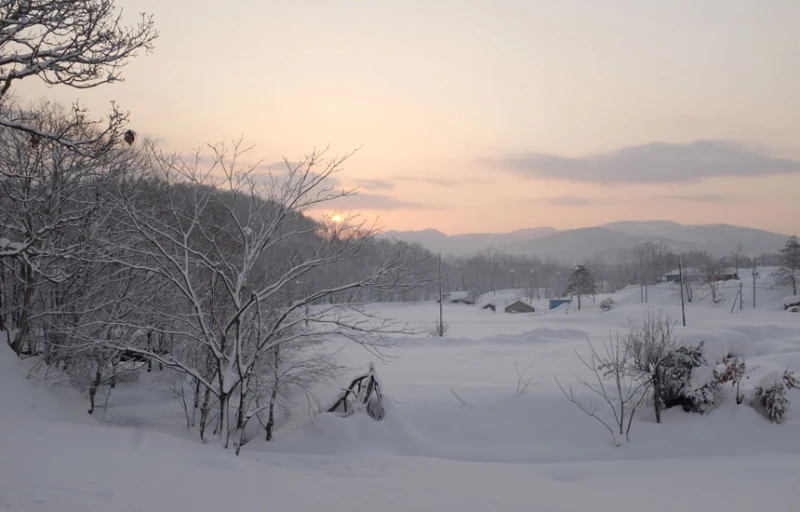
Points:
(336, 218)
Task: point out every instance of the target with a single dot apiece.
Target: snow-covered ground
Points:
(500, 450)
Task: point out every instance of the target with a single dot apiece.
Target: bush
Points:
(771, 394)
(437, 329)
(689, 382)
(673, 375)
(734, 372)
(607, 304)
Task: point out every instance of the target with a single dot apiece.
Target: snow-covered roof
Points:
(792, 300)
(461, 295)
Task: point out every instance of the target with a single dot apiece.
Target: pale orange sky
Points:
(491, 116)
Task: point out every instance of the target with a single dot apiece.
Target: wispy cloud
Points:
(376, 184)
(276, 179)
(444, 182)
(370, 201)
(652, 163)
(568, 201)
(697, 198)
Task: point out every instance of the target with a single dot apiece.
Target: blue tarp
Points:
(554, 303)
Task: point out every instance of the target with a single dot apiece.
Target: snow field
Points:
(500, 450)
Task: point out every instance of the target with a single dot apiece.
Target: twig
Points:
(458, 398)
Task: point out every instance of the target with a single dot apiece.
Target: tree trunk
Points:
(204, 410)
(114, 364)
(223, 425)
(271, 417)
(195, 401)
(19, 340)
(238, 437)
(98, 377)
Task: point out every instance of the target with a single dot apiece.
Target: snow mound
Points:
(792, 300)
(770, 380)
(24, 396)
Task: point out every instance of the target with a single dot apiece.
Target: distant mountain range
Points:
(606, 241)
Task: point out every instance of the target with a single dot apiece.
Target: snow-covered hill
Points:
(606, 240)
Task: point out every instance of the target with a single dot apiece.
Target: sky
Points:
(490, 116)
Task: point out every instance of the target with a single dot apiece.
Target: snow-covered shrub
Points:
(438, 328)
(771, 397)
(689, 381)
(606, 304)
(733, 372)
(363, 395)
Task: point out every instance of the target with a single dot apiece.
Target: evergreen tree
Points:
(581, 282)
(789, 273)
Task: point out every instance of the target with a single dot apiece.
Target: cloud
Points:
(699, 198)
(281, 166)
(280, 178)
(369, 201)
(376, 184)
(657, 162)
(568, 201)
(443, 182)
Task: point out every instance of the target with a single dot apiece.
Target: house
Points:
(461, 297)
(690, 274)
(519, 307)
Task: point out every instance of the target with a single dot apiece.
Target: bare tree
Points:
(651, 345)
(613, 383)
(74, 43)
(524, 380)
(50, 198)
(227, 250)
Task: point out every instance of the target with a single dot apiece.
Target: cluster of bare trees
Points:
(115, 257)
(490, 270)
(646, 364)
(110, 262)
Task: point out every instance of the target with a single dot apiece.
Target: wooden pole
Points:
(683, 305)
(741, 296)
(441, 300)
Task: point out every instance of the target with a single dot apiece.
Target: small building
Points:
(556, 303)
(519, 307)
(461, 297)
(690, 274)
(726, 276)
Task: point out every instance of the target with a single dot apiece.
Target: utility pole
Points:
(441, 300)
(683, 305)
(741, 295)
(754, 286)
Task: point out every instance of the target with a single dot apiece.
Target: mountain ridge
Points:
(605, 241)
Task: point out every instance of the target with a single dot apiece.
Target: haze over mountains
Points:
(606, 241)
